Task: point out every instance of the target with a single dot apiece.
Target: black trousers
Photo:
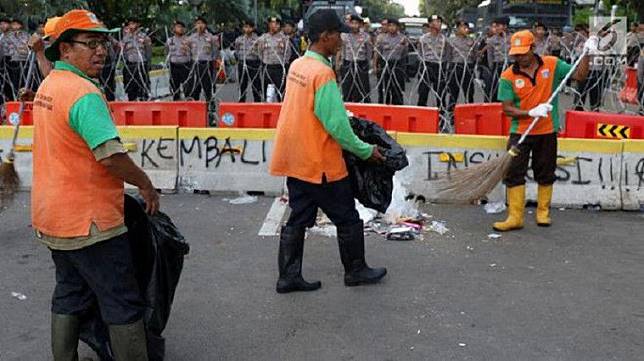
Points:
(248, 73)
(434, 78)
(102, 273)
(460, 80)
(335, 199)
(274, 74)
(5, 80)
(593, 87)
(495, 75)
(543, 149)
(203, 77)
(108, 80)
(137, 81)
(355, 81)
(17, 71)
(393, 82)
(179, 73)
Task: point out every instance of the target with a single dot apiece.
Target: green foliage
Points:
(377, 10)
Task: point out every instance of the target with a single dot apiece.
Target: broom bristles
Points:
(9, 181)
(471, 184)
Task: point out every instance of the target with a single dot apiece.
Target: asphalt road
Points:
(574, 291)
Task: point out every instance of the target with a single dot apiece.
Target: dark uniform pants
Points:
(544, 159)
(461, 79)
(17, 71)
(203, 78)
(274, 74)
(103, 273)
(355, 81)
(393, 82)
(495, 73)
(335, 199)
(434, 78)
(593, 86)
(137, 81)
(108, 79)
(179, 73)
(249, 74)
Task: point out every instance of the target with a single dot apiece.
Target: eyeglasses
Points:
(92, 44)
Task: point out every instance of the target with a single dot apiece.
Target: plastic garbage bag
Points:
(373, 183)
(158, 250)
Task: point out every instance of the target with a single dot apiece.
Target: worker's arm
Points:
(38, 46)
(510, 100)
(90, 118)
(331, 112)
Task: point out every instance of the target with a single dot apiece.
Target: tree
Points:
(377, 10)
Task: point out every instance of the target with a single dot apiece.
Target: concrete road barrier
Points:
(632, 180)
(23, 159)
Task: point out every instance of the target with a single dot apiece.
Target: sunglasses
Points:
(93, 44)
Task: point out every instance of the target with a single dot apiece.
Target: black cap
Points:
(249, 23)
(540, 24)
(274, 18)
(289, 22)
(357, 18)
(326, 20)
(17, 21)
(202, 19)
(393, 21)
(436, 17)
(502, 20)
(179, 22)
(461, 22)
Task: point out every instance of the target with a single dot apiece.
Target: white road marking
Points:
(273, 220)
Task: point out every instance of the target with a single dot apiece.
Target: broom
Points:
(473, 183)
(9, 179)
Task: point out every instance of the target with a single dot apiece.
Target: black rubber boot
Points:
(64, 337)
(289, 261)
(129, 342)
(356, 270)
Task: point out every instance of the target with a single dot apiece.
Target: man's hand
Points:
(540, 111)
(26, 95)
(376, 157)
(36, 43)
(591, 45)
(151, 198)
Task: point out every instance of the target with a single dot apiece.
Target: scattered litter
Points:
(462, 344)
(470, 248)
(418, 332)
(438, 227)
(244, 199)
(492, 265)
(325, 231)
(529, 212)
(411, 348)
(366, 214)
(562, 209)
(494, 207)
(493, 236)
(400, 234)
(18, 295)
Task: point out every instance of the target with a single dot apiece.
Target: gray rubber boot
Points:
(129, 342)
(64, 337)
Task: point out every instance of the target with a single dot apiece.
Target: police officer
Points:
(4, 76)
(498, 46)
(541, 45)
(294, 40)
(274, 52)
(389, 60)
(248, 64)
(462, 65)
(17, 46)
(435, 51)
(204, 50)
(136, 49)
(354, 57)
(108, 74)
(178, 56)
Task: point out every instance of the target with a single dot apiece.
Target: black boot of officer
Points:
(356, 270)
(289, 261)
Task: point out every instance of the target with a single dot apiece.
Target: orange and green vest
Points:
(526, 92)
(313, 127)
(71, 190)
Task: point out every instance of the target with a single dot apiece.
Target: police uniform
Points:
(205, 50)
(392, 50)
(136, 49)
(108, 74)
(541, 46)
(5, 88)
(462, 60)
(274, 51)
(498, 46)
(248, 66)
(17, 51)
(356, 52)
(434, 51)
(180, 60)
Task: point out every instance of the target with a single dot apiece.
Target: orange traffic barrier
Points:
(604, 125)
(629, 93)
(182, 114)
(481, 119)
(11, 113)
(391, 117)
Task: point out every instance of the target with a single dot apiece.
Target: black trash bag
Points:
(373, 183)
(158, 250)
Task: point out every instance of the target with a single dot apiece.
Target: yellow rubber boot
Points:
(516, 210)
(544, 196)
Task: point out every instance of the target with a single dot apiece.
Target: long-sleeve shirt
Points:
(274, 49)
(392, 47)
(137, 47)
(245, 49)
(204, 46)
(356, 47)
(434, 48)
(178, 49)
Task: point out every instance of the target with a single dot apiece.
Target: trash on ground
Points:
(18, 295)
(562, 209)
(438, 227)
(243, 199)
(494, 207)
(401, 234)
(493, 236)
(462, 344)
(366, 214)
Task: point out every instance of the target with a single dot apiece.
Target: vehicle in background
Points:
(524, 13)
(413, 28)
(341, 7)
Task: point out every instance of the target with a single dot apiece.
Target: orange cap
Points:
(521, 42)
(50, 26)
(73, 22)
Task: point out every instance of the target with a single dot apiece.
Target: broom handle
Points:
(32, 59)
(562, 84)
